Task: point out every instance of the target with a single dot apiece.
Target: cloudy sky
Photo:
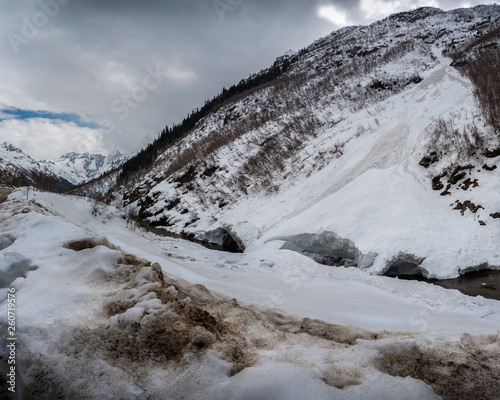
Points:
(100, 75)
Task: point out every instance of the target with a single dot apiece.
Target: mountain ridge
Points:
(366, 101)
(71, 169)
(79, 168)
(16, 167)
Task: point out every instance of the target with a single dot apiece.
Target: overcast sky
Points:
(100, 75)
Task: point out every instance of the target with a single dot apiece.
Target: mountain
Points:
(16, 167)
(14, 160)
(71, 169)
(79, 168)
(375, 147)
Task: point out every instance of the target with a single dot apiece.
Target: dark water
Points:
(484, 283)
(470, 283)
(229, 247)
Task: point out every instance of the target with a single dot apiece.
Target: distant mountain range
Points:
(70, 170)
(79, 168)
(16, 167)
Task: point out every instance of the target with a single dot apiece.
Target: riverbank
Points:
(484, 283)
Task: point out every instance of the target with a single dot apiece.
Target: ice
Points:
(327, 248)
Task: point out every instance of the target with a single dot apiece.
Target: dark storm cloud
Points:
(91, 57)
(135, 66)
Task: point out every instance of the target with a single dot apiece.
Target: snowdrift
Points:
(108, 311)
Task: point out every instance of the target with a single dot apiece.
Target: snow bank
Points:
(100, 317)
(386, 218)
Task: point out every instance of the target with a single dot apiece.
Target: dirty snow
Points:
(110, 311)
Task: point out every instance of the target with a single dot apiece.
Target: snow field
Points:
(99, 317)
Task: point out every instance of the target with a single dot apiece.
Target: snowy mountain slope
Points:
(108, 311)
(329, 158)
(71, 169)
(14, 159)
(79, 168)
(16, 166)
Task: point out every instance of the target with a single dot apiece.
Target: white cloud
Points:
(371, 10)
(330, 13)
(116, 75)
(42, 138)
(181, 74)
(376, 9)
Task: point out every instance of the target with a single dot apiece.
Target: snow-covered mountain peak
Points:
(16, 166)
(9, 153)
(75, 168)
(82, 167)
(145, 142)
(287, 54)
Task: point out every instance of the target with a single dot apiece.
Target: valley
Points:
(302, 235)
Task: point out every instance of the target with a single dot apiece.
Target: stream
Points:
(228, 244)
(484, 283)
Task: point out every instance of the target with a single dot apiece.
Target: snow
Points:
(357, 178)
(79, 168)
(391, 207)
(74, 167)
(68, 289)
(14, 160)
(113, 311)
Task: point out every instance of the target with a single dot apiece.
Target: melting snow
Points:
(113, 312)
